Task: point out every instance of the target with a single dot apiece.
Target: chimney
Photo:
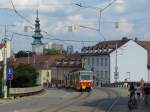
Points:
(124, 39)
(136, 39)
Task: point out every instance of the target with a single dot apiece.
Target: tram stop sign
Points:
(9, 74)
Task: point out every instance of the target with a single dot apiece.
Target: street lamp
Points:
(100, 10)
(129, 74)
(28, 52)
(116, 73)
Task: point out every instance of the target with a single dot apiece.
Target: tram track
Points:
(111, 97)
(62, 105)
(83, 96)
(110, 94)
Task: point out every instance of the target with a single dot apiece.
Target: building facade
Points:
(42, 64)
(117, 60)
(63, 66)
(9, 50)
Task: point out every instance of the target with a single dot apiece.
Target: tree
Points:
(25, 75)
(23, 54)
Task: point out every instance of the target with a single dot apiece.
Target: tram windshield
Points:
(85, 75)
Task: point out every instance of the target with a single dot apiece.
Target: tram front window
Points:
(85, 76)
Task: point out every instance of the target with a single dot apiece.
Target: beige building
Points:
(42, 63)
(63, 66)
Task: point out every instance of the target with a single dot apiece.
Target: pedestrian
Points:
(146, 94)
(142, 86)
(138, 92)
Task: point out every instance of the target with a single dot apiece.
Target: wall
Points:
(101, 70)
(43, 76)
(9, 51)
(60, 72)
(25, 90)
(132, 62)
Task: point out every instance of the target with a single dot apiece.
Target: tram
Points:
(80, 80)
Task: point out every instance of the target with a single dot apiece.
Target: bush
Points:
(25, 75)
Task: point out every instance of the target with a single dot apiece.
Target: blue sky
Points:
(131, 16)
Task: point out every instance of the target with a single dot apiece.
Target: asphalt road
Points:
(61, 100)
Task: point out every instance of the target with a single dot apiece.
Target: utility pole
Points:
(116, 73)
(5, 68)
(4, 79)
(100, 10)
(28, 56)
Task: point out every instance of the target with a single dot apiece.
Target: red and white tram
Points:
(80, 80)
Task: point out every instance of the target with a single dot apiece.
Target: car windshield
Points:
(85, 75)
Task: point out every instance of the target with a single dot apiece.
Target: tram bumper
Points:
(83, 87)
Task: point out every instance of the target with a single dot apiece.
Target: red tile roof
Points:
(1, 46)
(39, 61)
(107, 45)
(112, 45)
(69, 61)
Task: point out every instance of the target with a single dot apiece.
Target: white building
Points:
(9, 50)
(118, 60)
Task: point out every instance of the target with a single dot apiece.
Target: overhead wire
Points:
(21, 16)
(69, 40)
(54, 38)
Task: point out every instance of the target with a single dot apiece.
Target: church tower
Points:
(37, 45)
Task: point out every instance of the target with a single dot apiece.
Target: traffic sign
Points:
(9, 74)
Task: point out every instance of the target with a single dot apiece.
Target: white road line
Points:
(110, 108)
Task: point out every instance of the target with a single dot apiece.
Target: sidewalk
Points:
(18, 99)
(4, 101)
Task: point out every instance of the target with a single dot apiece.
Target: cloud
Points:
(75, 19)
(42, 5)
(120, 6)
(124, 25)
(57, 28)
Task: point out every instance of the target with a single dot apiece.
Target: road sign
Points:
(9, 74)
(116, 75)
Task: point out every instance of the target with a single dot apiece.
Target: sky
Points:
(123, 18)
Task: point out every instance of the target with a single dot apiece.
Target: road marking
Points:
(114, 103)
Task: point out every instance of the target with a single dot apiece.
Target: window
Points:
(88, 61)
(93, 61)
(106, 62)
(102, 74)
(101, 61)
(106, 75)
(97, 61)
(97, 74)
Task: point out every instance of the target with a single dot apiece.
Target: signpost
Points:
(9, 76)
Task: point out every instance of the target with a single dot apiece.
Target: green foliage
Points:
(23, 54)
(0, 84)
(53, 52)
(25, 75)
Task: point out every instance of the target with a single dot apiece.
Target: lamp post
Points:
(116, 73)
(100, 10)
(129, 75)
(28, 56)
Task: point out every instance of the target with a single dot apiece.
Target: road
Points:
(61, 100)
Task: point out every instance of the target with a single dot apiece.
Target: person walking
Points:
(146, 94)
(138, 92)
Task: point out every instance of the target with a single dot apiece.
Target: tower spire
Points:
(37, 45)
(37, 13)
